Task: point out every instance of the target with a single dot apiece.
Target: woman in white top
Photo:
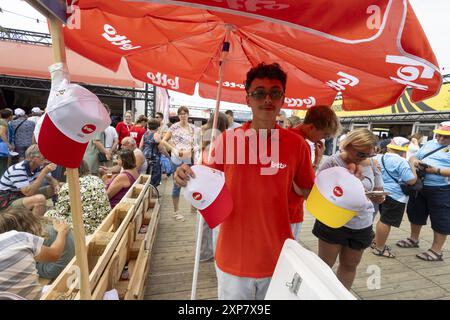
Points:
(349, 242)
(180, 142)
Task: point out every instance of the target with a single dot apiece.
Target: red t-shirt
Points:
(296, 213)
(123, 130)
(251, 238)
(137, 132)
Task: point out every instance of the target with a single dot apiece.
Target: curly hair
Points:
(270, 71)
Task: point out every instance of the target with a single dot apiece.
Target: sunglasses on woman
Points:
(364, 155)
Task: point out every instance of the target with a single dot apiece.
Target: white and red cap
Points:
(73, 116)
(208, 193)
(444, 128)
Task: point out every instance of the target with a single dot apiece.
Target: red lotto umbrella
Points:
(368, 51)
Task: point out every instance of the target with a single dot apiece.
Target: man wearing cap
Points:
(434, 199)
(320, 123)
(25, 179)
(23, 132)
(395, 170)
(36, 113)
(252, 236)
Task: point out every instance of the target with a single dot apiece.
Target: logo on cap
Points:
(197, 196)
(88, 128)
(338, 192)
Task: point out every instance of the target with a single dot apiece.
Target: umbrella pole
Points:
(73, 180)
(225, 50)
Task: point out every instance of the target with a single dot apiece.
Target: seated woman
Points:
(21, 247)
(119, 184)
(94, 200)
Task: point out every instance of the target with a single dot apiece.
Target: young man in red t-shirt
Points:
(251, 238)
(320, 122)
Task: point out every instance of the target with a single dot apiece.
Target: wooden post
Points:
(73, 180)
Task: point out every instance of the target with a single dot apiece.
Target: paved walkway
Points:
(405, 277)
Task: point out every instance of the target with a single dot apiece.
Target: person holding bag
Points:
(151, 147)
(395, 169)
(96, 153)
(23, 132)
(434, 199)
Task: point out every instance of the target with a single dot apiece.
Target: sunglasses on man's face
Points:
(261, 94)
(441, 136)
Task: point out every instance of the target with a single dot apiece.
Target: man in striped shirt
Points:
(26, 178)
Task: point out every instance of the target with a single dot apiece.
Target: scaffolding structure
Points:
(34, 84)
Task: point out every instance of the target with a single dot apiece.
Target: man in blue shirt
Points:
(434, 199)
(395, 170)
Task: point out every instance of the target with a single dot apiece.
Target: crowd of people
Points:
(35, 218)
(268, 209)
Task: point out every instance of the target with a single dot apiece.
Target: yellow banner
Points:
(440, 102)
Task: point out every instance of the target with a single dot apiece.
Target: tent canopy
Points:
(32, 61)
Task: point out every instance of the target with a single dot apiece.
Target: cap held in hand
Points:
(208, 193)
(336, 197)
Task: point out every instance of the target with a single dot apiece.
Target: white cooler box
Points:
(301, 275)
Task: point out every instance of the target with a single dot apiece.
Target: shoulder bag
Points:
(412, 190)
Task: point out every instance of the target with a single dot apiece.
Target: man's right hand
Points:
(183, 174)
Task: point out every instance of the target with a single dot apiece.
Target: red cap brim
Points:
(58, 148)
(219, 209)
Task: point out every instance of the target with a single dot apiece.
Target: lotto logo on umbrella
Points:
(208, 193)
